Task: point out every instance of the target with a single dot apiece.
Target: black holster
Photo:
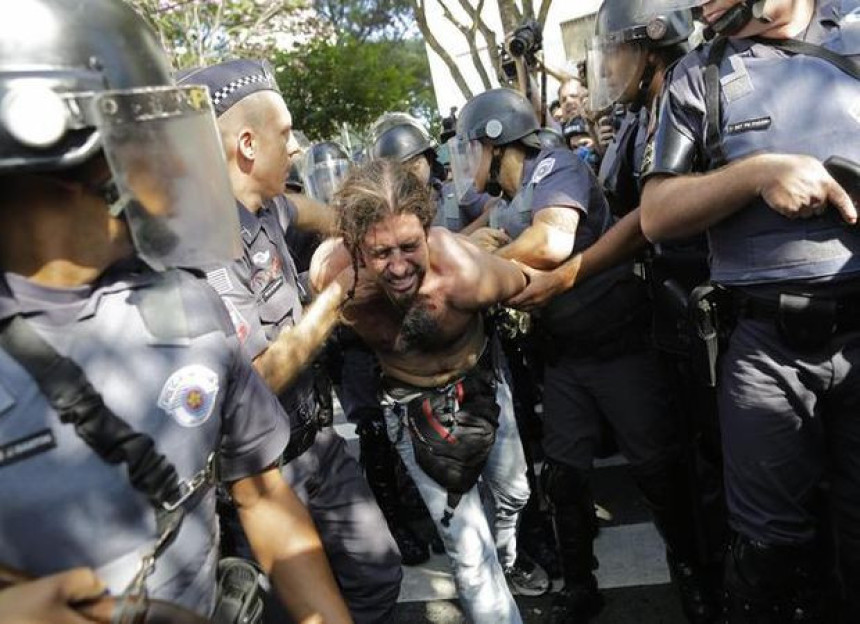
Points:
(240, 592)
(711, 319)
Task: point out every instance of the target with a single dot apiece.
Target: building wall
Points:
(560, 39)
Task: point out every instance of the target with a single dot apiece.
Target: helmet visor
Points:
(465, 155)
(165, 154)
(324, 179)
(613, 69)
(649, 9)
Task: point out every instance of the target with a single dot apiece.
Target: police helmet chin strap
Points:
(644, 86)
(494, 187)
(736, 18)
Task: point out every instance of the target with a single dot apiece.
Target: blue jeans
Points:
(476, 558)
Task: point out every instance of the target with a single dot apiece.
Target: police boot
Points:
(667, 494)
(778, 584)
(379, 458)
(572, 508)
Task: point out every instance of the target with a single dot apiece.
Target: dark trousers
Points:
(791, 438)
(360, 550)
(628, 390)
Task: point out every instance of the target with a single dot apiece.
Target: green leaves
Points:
(327, 83)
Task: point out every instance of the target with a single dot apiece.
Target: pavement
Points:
(632, 575)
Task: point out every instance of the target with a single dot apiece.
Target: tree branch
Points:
(544, 11)
(418, 6)
(469, 33)
(487, 33)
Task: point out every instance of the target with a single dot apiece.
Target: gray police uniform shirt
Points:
(771, 102)
(181, 379)
(620, 167)
(556, 177)
(262, 293)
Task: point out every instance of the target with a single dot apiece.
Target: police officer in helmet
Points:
(754, 129)
(596, 342)
(112, 181)
(626, 61)
(324, 169)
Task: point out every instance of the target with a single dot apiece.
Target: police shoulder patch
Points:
(189, 395)
(543, 169)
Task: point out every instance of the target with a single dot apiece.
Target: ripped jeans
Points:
(476, 558)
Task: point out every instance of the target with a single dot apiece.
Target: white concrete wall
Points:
(447, 92)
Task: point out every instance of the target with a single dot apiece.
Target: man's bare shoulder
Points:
(330, 258)
(452, 252)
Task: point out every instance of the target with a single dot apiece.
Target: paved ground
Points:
(632, 574)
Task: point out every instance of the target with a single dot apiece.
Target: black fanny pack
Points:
(453, 429)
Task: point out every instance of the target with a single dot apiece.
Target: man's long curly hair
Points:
(373, 192)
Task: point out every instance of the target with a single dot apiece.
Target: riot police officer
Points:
(747, 125)
(324, 168)
(262, 292)
(123, 387)
(597, 343)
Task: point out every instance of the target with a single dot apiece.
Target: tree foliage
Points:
(389, 20)
(203, 32)
(353, 81)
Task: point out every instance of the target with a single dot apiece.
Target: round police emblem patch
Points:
(189, 395)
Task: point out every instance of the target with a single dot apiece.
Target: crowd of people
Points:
(665, 269)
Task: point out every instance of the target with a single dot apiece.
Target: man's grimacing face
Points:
(396, 253)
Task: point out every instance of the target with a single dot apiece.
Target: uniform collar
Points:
(124, 275)
(249, 223)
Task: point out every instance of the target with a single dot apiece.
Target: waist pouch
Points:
(453, 429)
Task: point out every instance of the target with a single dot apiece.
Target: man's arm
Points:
(296, 346)
(797, 187)
(329, 261)
(621, 243)
(547, 242)
(313, 215)
(481, 279)
(288, 548)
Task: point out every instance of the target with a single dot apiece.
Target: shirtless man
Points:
(417, 301)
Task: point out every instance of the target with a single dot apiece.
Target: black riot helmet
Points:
(728, 24)
(622, 21)
(402, 142)
(402, 137)
(324, 168)
(497, 117)
(625, 32)
(81, 79)
(53, 55)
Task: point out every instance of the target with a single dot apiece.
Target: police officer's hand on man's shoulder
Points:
(52, 599)
(799, 187)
